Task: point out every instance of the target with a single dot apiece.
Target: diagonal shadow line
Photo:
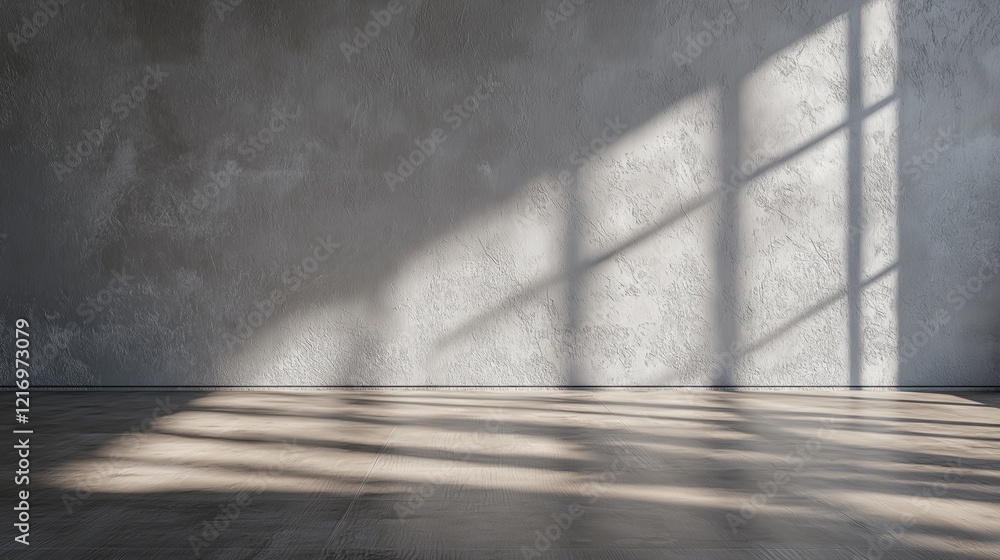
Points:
(665, 222)
(821, 137)
(816, 308)
(582, 267)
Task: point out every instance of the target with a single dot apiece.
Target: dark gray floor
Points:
(540, 474)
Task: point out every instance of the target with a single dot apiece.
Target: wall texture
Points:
(717, 193)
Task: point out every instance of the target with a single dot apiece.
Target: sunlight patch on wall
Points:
(484, 303)
(879, 49)
(793, 238)
(878, 229)
(648, 222)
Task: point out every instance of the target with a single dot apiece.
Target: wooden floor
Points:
(540, 474)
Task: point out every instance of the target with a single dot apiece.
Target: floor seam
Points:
(613, 415)
(336, 530)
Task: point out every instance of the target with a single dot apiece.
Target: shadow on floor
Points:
(419, 474)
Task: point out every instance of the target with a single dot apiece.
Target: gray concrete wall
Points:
(719, 193)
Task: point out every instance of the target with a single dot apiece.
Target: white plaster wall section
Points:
(880, 49)
(285, 324)
(462, 276)
(648, 204)
(793, 244)
(881, 188)
(878, 229)
(490, 296)
(313, 346)
(665, 161)
(879, 235)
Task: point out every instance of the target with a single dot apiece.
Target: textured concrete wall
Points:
(737, 193)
